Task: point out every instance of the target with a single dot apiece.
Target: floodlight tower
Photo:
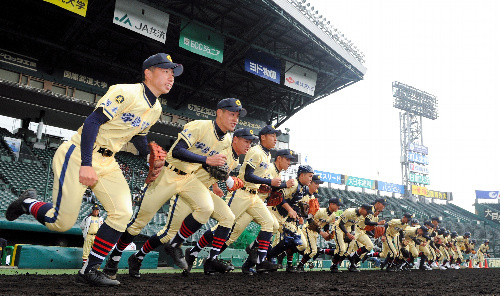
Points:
(415, 104)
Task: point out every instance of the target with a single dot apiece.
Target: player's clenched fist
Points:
(276, 182)
(88, 177)
(216, 160)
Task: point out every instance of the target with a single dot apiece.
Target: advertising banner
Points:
(438, 194)
(418, 158)
(418, 168)
(142, 19)
(391, 187)
(263, 65)
(487, 194)
(299, 78)
(492, 215)
(422, 179)
(359, 182)
(418, 148)
(79, 7)
(202, 41)
(329, 177)
(419, 190)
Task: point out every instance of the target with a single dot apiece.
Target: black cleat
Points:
(266, 266)
(134, 266)
(247, 270)
(213, 266)
(291, 269)
(111, 268)
(253, 253)
(334, 269)
(17, 208)
(353, 268)
(189, 260)
(95, 278)
(176, 254)
(300, 268)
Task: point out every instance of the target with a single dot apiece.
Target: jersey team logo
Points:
(119, 99)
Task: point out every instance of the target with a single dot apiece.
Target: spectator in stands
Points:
(124, 114)
(90, 225)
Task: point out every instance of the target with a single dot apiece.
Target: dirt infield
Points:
(436, 282)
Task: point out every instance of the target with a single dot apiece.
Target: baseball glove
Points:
(275, 198)
(379, 231)
(218, 172)
(238, 183)
(473, 252)
(264, 188)
(369, 228)
(156, 161)
(313, 226)
(313, 206)
(303, 208)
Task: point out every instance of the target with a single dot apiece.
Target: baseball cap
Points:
(424, 228)
(245, 133)
(380, 200)
(436, 219)
(336, 201)
(428, 223)
(407, 215)
(317, 179)
(95, 207)
(164, 61)
(285, 153)
(232, 105)
(368, 208)
(269, 129)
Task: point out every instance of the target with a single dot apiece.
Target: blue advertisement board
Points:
(263, 65)
(329, 177)
(487, 194)
(391, 187)
(413, 157)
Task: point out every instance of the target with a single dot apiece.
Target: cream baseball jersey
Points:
(350, 218)
(201, 138)
(395, 226)
(130, 113)
(259, 160)
(231, 161)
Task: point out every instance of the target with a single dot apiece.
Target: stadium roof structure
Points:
(287, 30)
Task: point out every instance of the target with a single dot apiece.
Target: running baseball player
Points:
(255, 173)
(483, 251)
(281, 163)
(320, 224)
(390, 248)
(125, 113)
(344, 232)
(199, 144)
(286, 209)
(90, 225)
(363, 231)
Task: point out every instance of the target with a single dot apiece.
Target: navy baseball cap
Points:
(95, 207)
(245, 133)
(232, 105)
(164, 61)
(368, 208)
(285, 153)
(407, 215)
(317, 179)
(380, 200)
(269, 129)
(424, 229)
(336, 201)
(436, 219)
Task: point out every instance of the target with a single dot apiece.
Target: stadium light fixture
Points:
(418, 102)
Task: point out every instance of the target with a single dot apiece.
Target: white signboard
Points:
(140, 18)
(300, 78)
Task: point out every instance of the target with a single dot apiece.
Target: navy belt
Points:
(171, 167)
(105, 152)
(252, 191)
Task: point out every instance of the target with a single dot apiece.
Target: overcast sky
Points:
(447, 48)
